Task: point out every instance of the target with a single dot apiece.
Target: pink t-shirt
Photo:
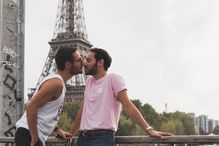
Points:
(101, 109)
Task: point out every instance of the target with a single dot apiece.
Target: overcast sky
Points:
(167, 51)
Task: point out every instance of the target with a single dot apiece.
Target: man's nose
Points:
(84, 62)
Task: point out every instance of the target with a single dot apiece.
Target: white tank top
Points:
(47, 115)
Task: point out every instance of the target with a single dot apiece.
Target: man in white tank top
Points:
(105, 94)
(44, 109)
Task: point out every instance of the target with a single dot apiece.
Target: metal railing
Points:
(135, 140)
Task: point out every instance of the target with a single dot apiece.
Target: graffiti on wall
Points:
(10, 98)
(9, 82)
(9, 67)
(10, 55)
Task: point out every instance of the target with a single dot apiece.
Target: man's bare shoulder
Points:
(50, 89)
(54, 83)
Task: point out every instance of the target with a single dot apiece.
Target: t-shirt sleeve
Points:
(118, 84)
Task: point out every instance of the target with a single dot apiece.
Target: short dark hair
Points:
(102, 54)
(63, 55)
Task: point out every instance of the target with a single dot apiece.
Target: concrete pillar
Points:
(11, 64)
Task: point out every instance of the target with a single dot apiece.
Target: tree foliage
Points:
(173, 126)
(216, 130)
(177, 122)
(68, 115)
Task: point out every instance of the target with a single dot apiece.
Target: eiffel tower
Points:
(70, 30)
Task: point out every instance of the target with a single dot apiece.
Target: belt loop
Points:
(84, 133)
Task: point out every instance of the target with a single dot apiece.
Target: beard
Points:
(75, 71)
(91, 71)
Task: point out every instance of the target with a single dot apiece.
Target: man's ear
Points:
(68, 64)
(101, 62)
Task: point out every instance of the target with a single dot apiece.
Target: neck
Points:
(65, 76)
(100, 75)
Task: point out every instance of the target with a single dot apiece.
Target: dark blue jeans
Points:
(96, 139)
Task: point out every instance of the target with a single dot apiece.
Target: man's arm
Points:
(49, 91)
(77, 122)
(136, 116)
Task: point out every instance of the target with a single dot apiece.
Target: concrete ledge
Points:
(179, 139)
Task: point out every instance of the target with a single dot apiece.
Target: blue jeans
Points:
(101, 139)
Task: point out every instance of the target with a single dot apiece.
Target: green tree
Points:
(138, 104)
(181, 123)
(65, 121)
(151, 116)
(216, 130)
(125, 126)
(128, 127)
(72, 109)
(177, 122)
(173, 126)
(68, 115)
(189, 125)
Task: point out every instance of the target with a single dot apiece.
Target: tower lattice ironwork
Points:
(70, 30)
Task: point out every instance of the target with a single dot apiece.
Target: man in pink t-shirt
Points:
(97, 119)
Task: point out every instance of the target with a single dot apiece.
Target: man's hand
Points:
(63, 133)
(34, 140)
(159, 134)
